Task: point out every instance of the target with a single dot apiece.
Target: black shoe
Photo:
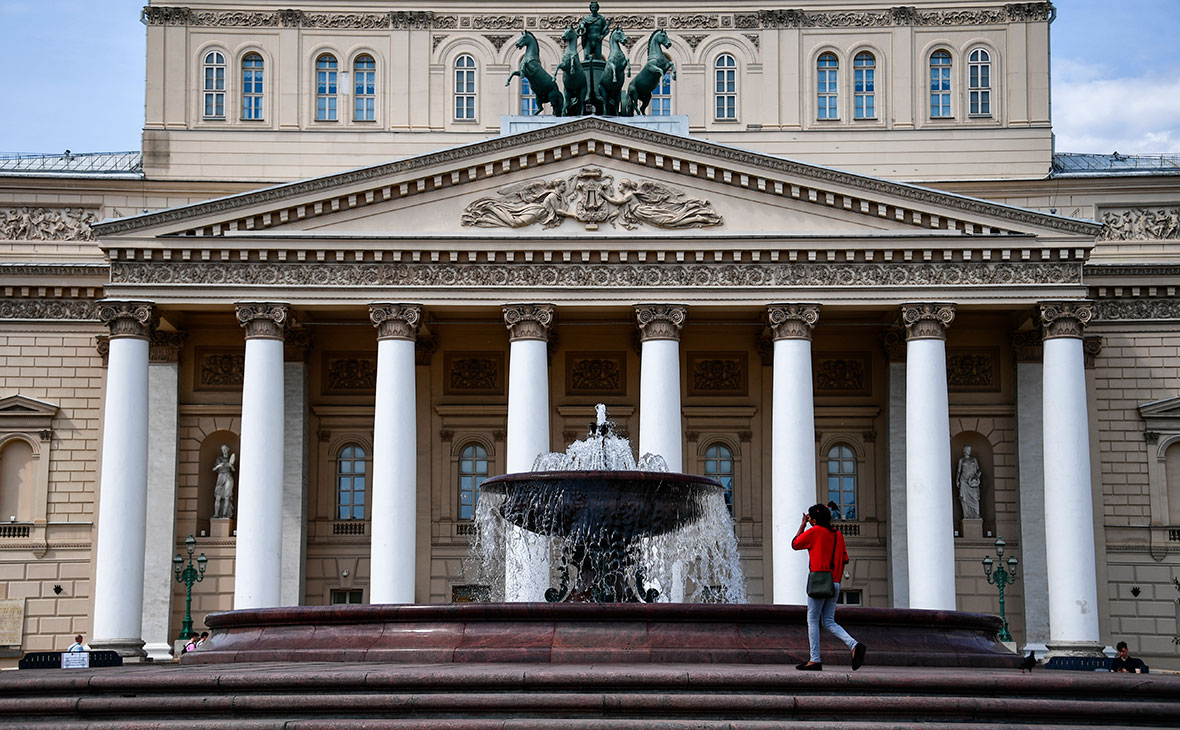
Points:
(810, 667)
(858, 656)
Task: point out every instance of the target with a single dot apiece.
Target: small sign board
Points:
(12, 621)
(75, 660)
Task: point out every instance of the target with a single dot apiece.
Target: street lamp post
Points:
(1001, 578)
(188, 575)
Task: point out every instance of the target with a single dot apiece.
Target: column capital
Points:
(264, 320)
(395, 321)
(528, 321)
(792, 321)
(165, 346)
(1066, 319)
(128, 318)
(660, 321)
(1026, 346)
(927, 320)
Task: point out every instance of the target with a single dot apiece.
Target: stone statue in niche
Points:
(968, 476)
(223, 491)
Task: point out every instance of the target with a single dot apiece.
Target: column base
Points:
(130, 649)
(1035, 647)
(1073, 648)
(158, 652)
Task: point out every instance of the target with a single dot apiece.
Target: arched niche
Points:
(207, 479)
(981, 449)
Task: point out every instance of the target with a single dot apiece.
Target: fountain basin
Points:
(578, 633)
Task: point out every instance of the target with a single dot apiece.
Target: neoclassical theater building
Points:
(348, 277)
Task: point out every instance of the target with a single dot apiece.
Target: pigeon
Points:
(1028, 663)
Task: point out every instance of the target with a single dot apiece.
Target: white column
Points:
(294, 470)
(526, 575)
(393, 547)
(899, 565)
(929, 511)
(660, 429)
(1030, 463)
(259, 549)
(1069, 507)
(163, 447)
(792, 488)
(122, 513)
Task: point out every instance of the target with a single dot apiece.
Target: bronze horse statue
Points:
(575, 76)
(540, 82)
(610, 86)
(649, 78)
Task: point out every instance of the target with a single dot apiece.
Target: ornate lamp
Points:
(1001, 578)
(188, 575)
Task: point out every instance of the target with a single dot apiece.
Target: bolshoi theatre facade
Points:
(349, 276)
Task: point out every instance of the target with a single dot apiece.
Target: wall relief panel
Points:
(1141, 224)
(473, 373)
(843, 373)
(718, 373)
(596, 373)
(974, 370)
(47, 224)
(219, 368)
(346, 373)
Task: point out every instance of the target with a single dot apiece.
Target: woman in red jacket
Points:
(826, 552)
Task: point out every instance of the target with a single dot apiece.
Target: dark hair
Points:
(1121, 645)
(821, 514)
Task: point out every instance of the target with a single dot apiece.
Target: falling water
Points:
(615, 529)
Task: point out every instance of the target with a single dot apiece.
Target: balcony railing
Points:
(10, 529)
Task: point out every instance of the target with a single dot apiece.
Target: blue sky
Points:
(1116, 75)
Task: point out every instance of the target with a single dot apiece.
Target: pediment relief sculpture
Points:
(591, 197)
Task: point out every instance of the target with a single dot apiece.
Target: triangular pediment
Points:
(593, 177)
(20, 410)
(1167, 408)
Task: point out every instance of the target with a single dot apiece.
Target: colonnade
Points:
(929, 512)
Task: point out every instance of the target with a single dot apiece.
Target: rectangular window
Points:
(364, 90)
(465, 89)
(980, 90)
(849, 598)
(326, 89)
(528, 100)
(827, 93)
(342, 597)
(864, 88)
(661, 98)
(252, 87)
(726, 94)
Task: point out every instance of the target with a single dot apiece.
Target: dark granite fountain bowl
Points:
(624, 505)
(584, 633)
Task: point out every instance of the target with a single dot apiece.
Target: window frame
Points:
(470, 95)
(661, 98)
(945, 78)
(526, 94)
(326, 77)
(211, 91)
(355, 85)
(339, 489)
(708, 457)
(859, 75)
(478, 478)
(852, 458)
(980, 94)
(253, 99)
(725, 88)
(827, 86)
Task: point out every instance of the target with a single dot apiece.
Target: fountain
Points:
(618, 525)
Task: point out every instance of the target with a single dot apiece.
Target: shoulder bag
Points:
(821, 583)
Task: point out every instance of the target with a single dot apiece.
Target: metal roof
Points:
(69, 164)
(1074, 164)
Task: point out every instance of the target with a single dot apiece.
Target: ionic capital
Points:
(396, 321)
(660, 321)
(1066, 319)
(528, 321)
(264, 320)
(927, 320)
(128, 318)
(792, 321)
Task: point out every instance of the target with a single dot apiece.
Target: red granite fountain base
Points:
(579, 633)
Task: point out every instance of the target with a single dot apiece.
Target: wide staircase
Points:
(572, 697)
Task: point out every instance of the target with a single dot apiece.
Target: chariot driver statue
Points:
(592, 30)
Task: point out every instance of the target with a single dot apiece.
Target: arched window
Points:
(940, 85)
(473, 470)
(465, 88)
(252, 86)
(214, 85)
(326, 91)
(364, 76)
(1171, 478)
(842, 481)
(827, 97)
(661, 98)
(528, 100)
(979, 83)
(864, 86)
(725, 87)
(719, 465)
(16, 481)
(350, 483)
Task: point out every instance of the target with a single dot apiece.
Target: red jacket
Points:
(817, 541)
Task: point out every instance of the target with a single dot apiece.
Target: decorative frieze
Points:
(792, 321)
(905, 16)
(927, 320)
(395, 321)
(843, 374)
(1141, 224)
(660, 321)
(47, 224)
(1137, 309)
(473, 373)
(702, 275)
(719, 373)
(349, 372)
(164, 347)
(497, 22)
(528, 321)
(219, 369)
(972, 371)
(287, 18)
(128, 318)
(263, 320)
(1066, 319)
(596, 373)
(54, 309)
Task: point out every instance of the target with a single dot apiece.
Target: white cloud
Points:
(1094, 112)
